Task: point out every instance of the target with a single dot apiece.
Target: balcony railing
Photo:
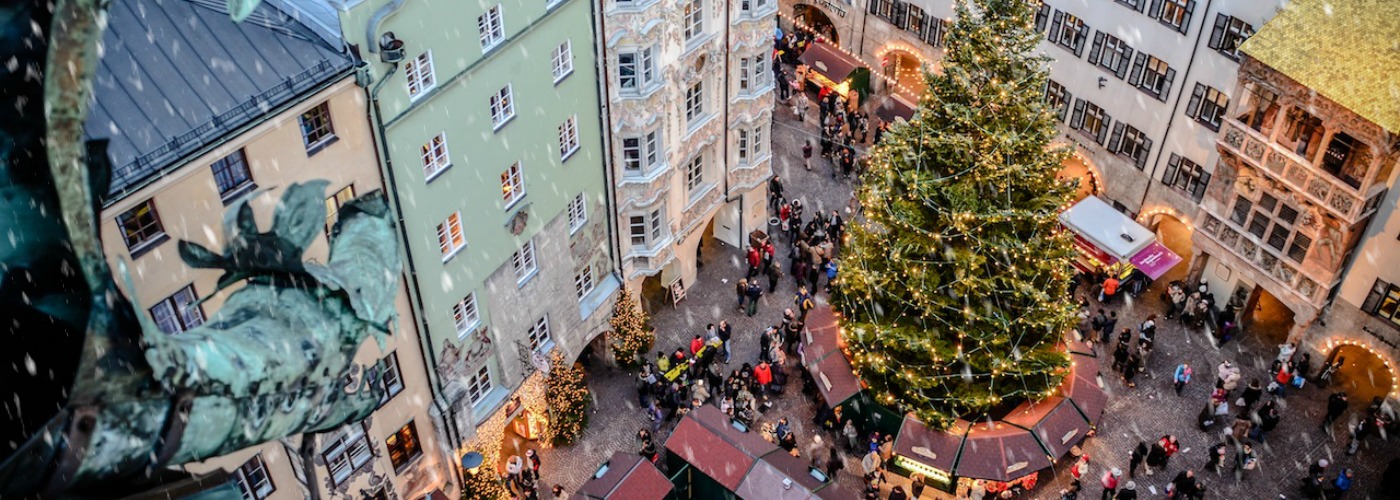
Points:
(1285, 166)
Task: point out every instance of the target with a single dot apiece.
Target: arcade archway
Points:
(1079, 170)
(1361, 372)
(906, 69)
(818, 21)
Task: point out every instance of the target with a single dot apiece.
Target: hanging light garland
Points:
(889, 81)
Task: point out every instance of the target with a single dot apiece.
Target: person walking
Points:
(1216, 463)
(1245, 461)
(1129, 492)
(916, 486)
(774, 273)
(754, 292)
(1136, 457)
(741, 289)
(800, 108)
(1336, 405)
(1110, 483)
(804, 302)
(1180, 377)
(1341, 485)
(834, 464)
(1110, 323)
(775, 192)
(1183, 486)
(807, 155)
(725, 333)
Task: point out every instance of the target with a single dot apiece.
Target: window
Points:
(1228, 34)
(1186, 176)
(562, 60)
(1299, 249)
(1133, 4)
(1345, 159)
(178, 312)
(578, 212)
(694, 102)
(1207, 106)
(1111, 53)
(523, 261)
(478, 386)
(502, 107)
(347, 452)
(1152, 75)
(753, 73)
(1042, 14)
(1069, 32)
(435, 157)
(743, 147)
(252, 479)
(403, 446)
(1057, 98)
(938, 31)
(568, 137)
(539, 334)
(391, 379)
(1130, 142)
(693, 18)
(1091, 120)
(695, 173)
(640, 152)
(636, 69)
(491, 28)
(882, 8)
(141, 227)
(757, 145)
(744, 70)
(1258, 224)
(1241, 210)
(1175, 13)
(316, 130)
(465, 315)
(333, 204)
(419, 71)
(450, 237)
(231, 175)
(645, 229)
(751, 6)
(1383, 301)
(512, 185)
(916, 21)
(583, 282)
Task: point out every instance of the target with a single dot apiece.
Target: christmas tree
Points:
(567, 396)
(951, 291)
(631, 338)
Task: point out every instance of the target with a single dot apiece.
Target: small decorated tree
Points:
(567, 396)
(630, 337)
(484, 485)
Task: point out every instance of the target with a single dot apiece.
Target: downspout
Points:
(728, 198)
(381, 150)
(372, 28)
(1185, 80)
(605, 124)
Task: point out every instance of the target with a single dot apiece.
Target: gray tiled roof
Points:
(179, 75)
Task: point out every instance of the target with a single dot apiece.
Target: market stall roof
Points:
(1076, 343)
(707, 441)
(894, 106)
(835, 379)
(1000, 452)
(1084, 387)
(822, 336)
(627, 477)
(1054, 421)
(1107, 228)
(780, 476)
(830, 61)
(935, 448)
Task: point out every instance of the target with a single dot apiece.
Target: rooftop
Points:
(176, 76)
(1346, 50)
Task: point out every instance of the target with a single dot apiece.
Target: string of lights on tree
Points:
(630, 337)
(566, 395)
(952, 290)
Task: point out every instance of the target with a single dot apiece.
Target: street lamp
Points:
(472, 462)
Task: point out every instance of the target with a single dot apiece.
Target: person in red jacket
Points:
(763, 373)
(696, 344)
(755, 259)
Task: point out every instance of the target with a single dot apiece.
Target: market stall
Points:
(780, 476)
(828, 66)
(921, 450)
(1084, 387)
(1107, 239)
(1054, 421)
(711, 456)
(625, 476)
(894, 106)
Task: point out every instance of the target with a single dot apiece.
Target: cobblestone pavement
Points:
(1142, 413)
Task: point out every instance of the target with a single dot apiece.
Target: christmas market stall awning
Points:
(626, 476)
(1054, 421)
(1084, 387)
(928, 451)
(780, 476)
(830, 62)
(822, 335)
(894, 106)
(1106, 228)
(1075, 343)
(824, 360)
(999, 451)
(708, 441)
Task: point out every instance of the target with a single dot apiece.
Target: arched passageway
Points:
(818, 21)
(1363, 374)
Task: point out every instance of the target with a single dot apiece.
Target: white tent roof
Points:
(1107, 228)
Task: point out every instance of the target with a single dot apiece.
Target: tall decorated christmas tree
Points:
(952, 287)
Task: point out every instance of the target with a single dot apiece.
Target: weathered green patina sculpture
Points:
(102, 400)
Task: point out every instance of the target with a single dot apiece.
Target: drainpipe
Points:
(728, 198)
(386, 163)
(372, 29)
(605, 124)
(1185, 80)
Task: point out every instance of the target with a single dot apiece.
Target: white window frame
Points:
(490, 26)
(695, 102)
(333, 204)
(478, 386)
(466, 316)
(568, 138)
(502, 107)
(538, 335)
(695, 174)
(743, 146)
(436, 157)
(692, 20)
(583, 281)
(648, 152)
(524, 263)
(513, 184)
(643, 65)
(744, 71)
(419, 75)
(562, 59)
(179, 312)
(352, 446)
(391, 379)
(652, 228)
(451, 238)
(578, 212)
(246, 487)
(756, 143)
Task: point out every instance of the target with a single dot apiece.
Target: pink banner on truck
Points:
(1155, 260)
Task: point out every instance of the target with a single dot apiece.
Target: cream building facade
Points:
(689, 86)
(184, 148)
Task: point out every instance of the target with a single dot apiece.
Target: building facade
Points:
(192, 130)
(490, 138)
(690, 90)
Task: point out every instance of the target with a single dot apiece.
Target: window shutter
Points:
(1143, 153)
(1079, 36)
(1193, 107)
(1186, 19)
(1097, 49)
(871, 6)
(1054, 34)
(1103, 129)
(1218, 32)
(900, 14)
(1077, 119)
(1373, 299)
(1135, 77)
(1064, 107)
(1199, 190)
(1117, 139)
(1041, 15)
(1169, 174)
(1167, 85)
(1155, 11)
(1123, 62)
